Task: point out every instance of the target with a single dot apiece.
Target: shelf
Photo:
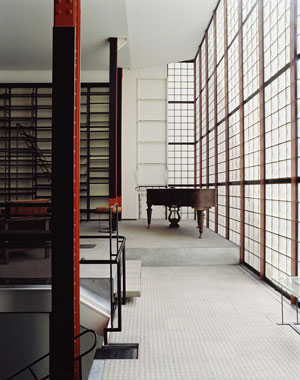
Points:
(34, 113)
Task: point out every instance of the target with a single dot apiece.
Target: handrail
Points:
(28, 367)
(119, 259)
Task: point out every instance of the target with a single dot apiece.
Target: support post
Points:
(215, 114)
(113, 88)
(294, 140)
(242, 139)
(64, 318)
(262, 141)
(207, 121)
(119, 141)
(227, 204)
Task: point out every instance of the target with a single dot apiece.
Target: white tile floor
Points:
(205, 323)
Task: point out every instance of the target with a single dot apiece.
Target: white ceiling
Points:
(158, 32)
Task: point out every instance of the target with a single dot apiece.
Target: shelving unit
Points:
(25, 143)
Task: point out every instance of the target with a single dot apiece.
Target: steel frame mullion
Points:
(215, 113)
(200, 118)
(226, 121)
(195, 137)
(207, 120)
(242, 138)
(262, 142)
(294, 137)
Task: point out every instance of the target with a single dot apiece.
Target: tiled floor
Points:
(159, 235)
(215, 322)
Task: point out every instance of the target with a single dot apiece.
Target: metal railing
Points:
(118, 259)
(32, 372)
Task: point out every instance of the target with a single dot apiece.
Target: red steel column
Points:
(68, 14)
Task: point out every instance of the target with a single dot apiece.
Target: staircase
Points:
(30, 141)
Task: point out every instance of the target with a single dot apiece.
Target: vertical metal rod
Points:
(242, 139)
(281, 306)
(262, 141)
(124, 274)
(297, 304)
(294, 139)
(200, 118)
(207, 120)
(119, 295)
(110, 269)
(88, 169)
(215, 114)
(226, 121)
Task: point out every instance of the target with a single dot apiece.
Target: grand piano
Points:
(199, 199)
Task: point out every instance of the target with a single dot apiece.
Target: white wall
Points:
(144, 136)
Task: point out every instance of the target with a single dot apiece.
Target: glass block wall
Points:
(247, 98)
(181, 128)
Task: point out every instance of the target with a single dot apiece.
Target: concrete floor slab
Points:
(214, 322)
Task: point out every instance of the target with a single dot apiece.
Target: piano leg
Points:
(200, 220)
(173, 220)
(149, 214)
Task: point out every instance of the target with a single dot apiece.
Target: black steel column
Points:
(113, 83)
(119, 139)
(62, 316)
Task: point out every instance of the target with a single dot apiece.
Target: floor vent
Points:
(118, 351)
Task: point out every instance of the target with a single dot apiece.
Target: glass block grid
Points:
(247, 7)
(233, 75)
(181, 144)
(204, 164)
(211, 218)
(210, 40)
(278, 127)
(278, 229)
(251, 53)
(211, 103)
(221, 153)
(232, 20)
(222, 210)
(234, 147)
(276, 35)
(211, 143)
(220, 91)
(220, 30)
(298, 27)
(252, 225)
(181, 82)
(234, 214)
(203, 64)
(252, 139)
